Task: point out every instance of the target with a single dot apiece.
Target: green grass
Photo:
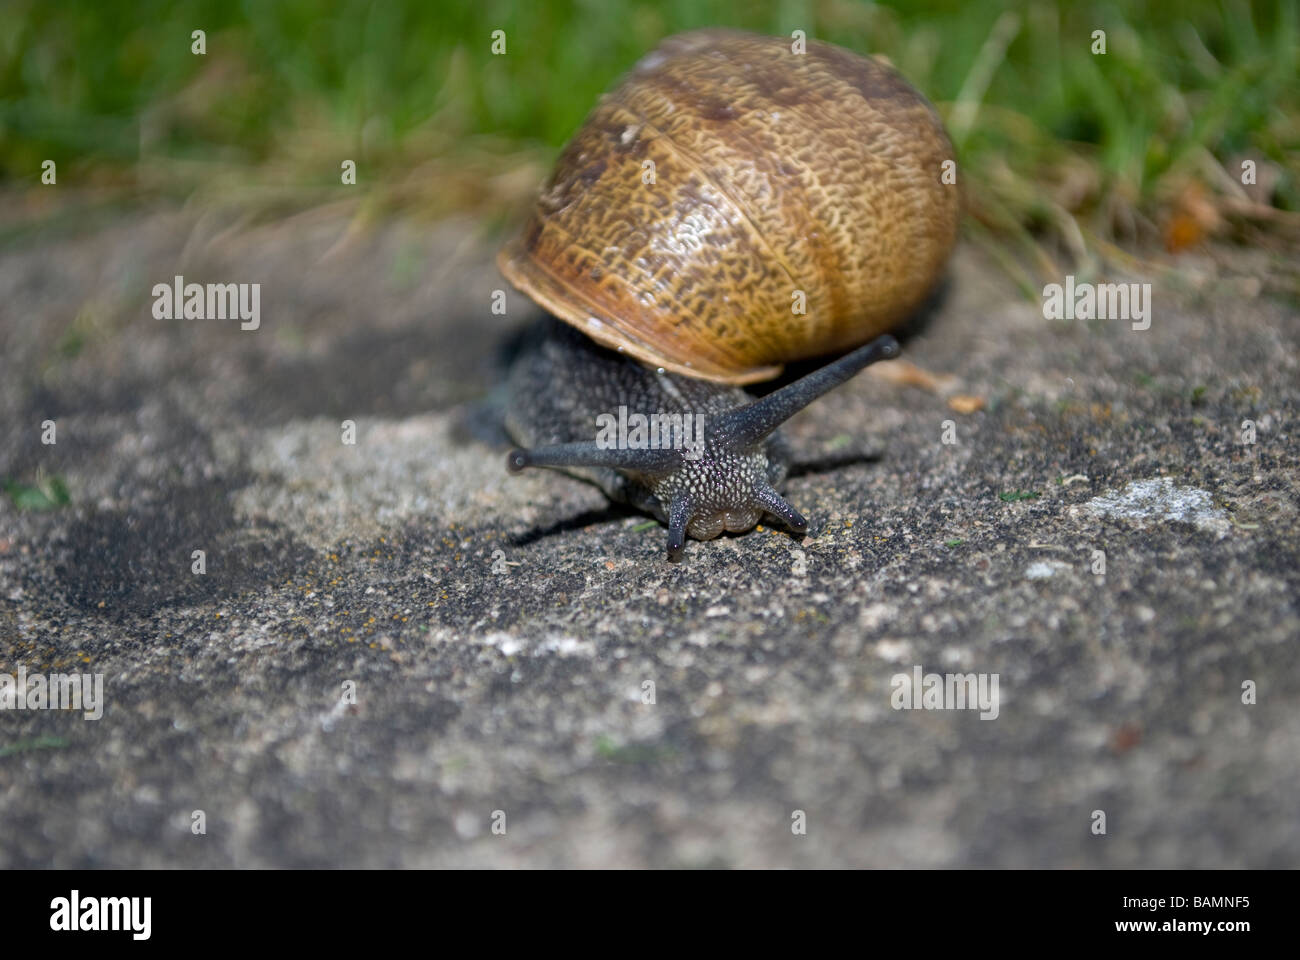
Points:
(1063, 154)
(638, 754)
(47, 493)
(35, 743)
(1015, 496)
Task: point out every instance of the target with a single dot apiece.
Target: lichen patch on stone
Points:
(1160, 500)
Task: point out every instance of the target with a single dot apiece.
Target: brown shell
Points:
(774, 172)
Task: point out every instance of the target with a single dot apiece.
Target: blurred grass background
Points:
(1067, 159)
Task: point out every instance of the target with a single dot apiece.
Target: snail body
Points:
(730, 207)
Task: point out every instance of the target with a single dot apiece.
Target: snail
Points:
(730, 207)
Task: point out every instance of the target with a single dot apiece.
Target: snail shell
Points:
(773, 173)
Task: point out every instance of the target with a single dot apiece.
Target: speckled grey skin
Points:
(562, 382)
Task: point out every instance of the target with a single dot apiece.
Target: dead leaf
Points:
(907, 374)
(966, 403)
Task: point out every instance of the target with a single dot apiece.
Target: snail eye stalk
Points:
(589, 455)
(750, 424)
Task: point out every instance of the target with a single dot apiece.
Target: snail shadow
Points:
(831, 462)
(921, 318)
(611, 514)
(616, 512)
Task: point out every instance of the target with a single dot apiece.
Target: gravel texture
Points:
(500, 632)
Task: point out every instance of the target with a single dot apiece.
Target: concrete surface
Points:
(522, 691)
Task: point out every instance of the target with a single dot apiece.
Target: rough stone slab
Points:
(522, 691)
